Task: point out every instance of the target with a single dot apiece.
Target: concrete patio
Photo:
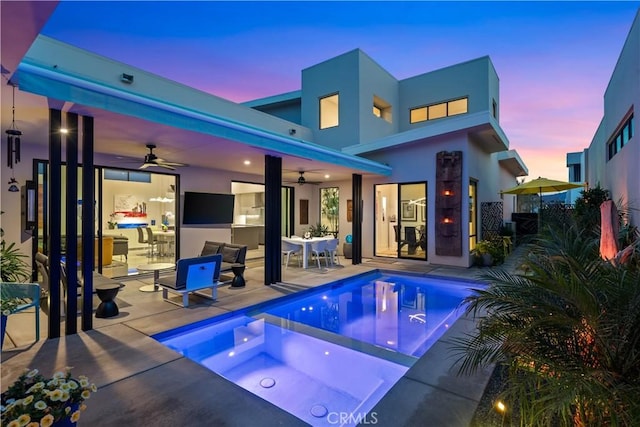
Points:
(141, 382)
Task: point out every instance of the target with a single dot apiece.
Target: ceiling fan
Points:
(150, 159)
(302, 180)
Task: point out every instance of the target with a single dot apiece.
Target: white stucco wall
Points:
(620, 175)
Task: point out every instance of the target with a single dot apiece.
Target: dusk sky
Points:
(554, 59)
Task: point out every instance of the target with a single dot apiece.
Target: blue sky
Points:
(554, 59)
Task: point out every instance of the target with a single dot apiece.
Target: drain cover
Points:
(319, 411)
(267, 382)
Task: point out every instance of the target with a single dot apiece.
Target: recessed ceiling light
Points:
(327, 176)
(247, 162)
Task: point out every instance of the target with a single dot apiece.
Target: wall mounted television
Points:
(207, 208)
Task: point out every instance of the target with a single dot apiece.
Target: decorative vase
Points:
(4, 328)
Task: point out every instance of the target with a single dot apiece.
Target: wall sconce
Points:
(447, 220)
(448, 193)
(13, 185)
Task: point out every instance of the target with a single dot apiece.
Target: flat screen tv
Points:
(207, 208)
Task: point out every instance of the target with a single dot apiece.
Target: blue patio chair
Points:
(29, 293)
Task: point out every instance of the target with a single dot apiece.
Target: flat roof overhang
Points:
(73, 76)
(481, 127)
(512, 162)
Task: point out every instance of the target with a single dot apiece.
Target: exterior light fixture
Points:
(247, 162)
(64, 131)
(448, 192)
(447, 221)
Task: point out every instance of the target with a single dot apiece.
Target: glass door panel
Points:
(412, 223)
(386, 220)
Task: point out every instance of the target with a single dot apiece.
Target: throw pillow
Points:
(210, 248)
(230, 254)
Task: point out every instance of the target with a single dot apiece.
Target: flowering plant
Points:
(34, 400)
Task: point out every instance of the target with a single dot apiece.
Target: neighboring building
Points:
(612, 159)
(575, 163)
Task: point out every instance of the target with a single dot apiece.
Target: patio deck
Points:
(141, 382)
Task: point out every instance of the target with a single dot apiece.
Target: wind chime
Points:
(13, 145)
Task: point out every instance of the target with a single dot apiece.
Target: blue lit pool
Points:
(333, 350)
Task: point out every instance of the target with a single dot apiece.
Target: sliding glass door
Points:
(401, 220)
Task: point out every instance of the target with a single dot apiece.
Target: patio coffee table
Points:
(156, 267)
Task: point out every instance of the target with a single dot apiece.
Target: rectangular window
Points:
(440, 110)
(437, 111)
(621, 138)
(122, 175)
(457, 107)
(575, 173)
(418, 115)
(329, 111)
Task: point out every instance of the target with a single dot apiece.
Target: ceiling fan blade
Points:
(173, 163)
(166, 166)
(146, 165)
(166, 162)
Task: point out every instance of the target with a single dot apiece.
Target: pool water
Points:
(327, 355)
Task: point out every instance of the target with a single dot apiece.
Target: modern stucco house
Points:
(419, 163)
(611, 160)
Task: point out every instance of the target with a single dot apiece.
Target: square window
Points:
(381, 108)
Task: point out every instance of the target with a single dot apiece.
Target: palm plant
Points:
(568, 331)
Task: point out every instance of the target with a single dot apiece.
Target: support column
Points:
(356, 195)
(273, 220)
(88, 221)
(71, 221)
(55, 219)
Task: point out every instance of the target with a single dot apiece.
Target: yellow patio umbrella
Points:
(541, 185)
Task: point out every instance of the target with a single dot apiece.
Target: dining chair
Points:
(142, 238)
(332, 251)
(288, 249)
(319, 250)
(155, 242)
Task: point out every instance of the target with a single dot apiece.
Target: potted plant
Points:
(483, 252)
(112, 223)
(318, 230)
(35, 400)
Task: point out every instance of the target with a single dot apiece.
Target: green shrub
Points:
(568, 332)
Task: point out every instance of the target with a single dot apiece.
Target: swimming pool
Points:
(327, 355)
